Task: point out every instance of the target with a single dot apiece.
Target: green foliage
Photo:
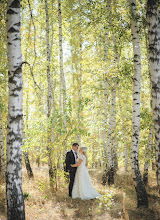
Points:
(25, 195)
(105, 202)
(84, 25)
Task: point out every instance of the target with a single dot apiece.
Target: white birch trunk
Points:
(49, 100)
(80, 91)
(113, 126)
(104, 133)
(79, 106)
(154, 68)
(109, 153)
(142, 198)
(106, 141)
(105, 106)
(126, 158)
(110, 161)
(2, 156)
(15, 201)
(62, 78)
(114, 138)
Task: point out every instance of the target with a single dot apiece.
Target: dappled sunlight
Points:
(80, 74)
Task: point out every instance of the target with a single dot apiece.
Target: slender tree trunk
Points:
(105, 104)
(62, 78)
(113, 134)
(142, 198)
(126, 159)
(112, 156)
(106, 93)
(148, 156)
(15, 201)
(109, 168)
(2, 156)
(79, 105)
(80, 86)
(154, 68)
(26, 156)
(25, 152)
(109, 153)
(27, 163)
(49, 100)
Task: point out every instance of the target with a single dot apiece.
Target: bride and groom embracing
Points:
(80, 185)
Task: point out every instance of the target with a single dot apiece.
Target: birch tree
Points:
(15, 201)
(153, 24)
(106, 143)
(111, 151)
(109, 168)
(79, 99)
(142, 198)
(116, 80)
(2, 156)
(105, 104)
(62, 77)
(49, 98)
(80, 76)
(126, 159)
(113, 126)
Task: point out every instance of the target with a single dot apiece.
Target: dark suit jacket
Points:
(70, 159)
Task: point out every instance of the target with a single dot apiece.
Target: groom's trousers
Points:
(72, 176)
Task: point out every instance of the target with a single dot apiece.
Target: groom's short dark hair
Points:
(75, 144)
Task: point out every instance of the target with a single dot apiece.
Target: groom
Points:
(71, 158)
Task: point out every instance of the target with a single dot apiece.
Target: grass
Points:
(117, 202)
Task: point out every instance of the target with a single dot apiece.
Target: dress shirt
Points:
(75, 155)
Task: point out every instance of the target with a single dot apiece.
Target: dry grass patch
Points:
(125, 199)
(117, 202)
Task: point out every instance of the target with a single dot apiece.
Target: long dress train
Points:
(83, 187)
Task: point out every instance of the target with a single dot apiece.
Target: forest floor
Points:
(117, 202)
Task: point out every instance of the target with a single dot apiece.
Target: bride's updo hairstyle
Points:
(84, 150)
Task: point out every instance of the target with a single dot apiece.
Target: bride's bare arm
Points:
(77, 164)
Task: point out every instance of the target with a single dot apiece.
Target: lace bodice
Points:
(84, 160)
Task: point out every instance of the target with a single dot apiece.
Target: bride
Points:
(83, 187)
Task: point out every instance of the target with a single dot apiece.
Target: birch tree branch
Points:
(30, 9)
(25, 62)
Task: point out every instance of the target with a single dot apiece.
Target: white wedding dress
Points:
(83, 187)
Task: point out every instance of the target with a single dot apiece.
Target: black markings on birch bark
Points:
(15, 202)
(153, 24)
(10, 11)
(142, 198)
(2, 156)
(62, 77)
(50, 99)
(15, 4)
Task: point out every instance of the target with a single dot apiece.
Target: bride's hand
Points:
(71, 165)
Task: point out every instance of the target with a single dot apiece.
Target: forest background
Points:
(79, 71)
